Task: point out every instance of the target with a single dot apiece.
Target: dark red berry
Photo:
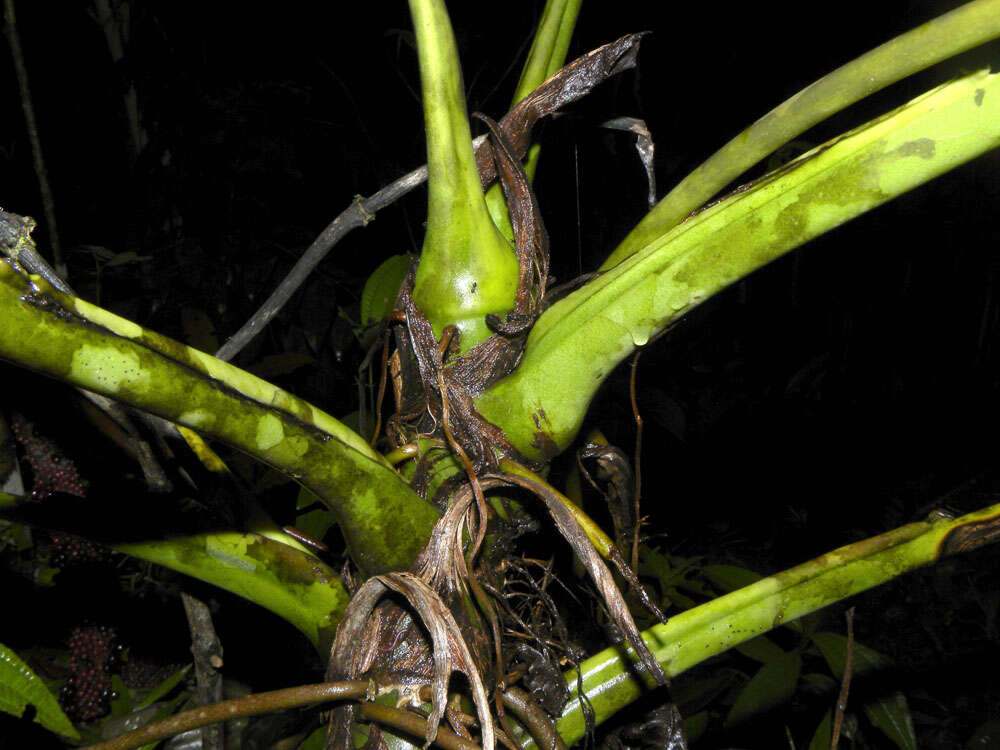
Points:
(53, 471)
(87, 693)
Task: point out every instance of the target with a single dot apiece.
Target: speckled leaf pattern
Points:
(385, 523)
(21, 687)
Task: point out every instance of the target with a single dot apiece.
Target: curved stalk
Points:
(546, 56)
(250, 705)
(467, 269)
(951, 34)
(612, 678)
(580, 339)
(293, 585)
(384, 522)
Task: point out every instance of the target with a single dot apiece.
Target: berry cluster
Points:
(70, 550)
(53, 471)
(93, 653)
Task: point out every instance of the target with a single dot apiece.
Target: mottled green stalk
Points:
(953, 33)
(294, 585)
(580, 339)
(384, 522)
(611, 680)
(546, 56)
(228, 376)
(467, 269)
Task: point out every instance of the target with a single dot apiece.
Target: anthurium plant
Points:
(487, 373)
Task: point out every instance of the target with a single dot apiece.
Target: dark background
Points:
(842, 391)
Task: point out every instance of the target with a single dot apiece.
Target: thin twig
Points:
(358, 214)
(250, 705)
(845, 684)
(31, 125)
(206, 648)
(381, 388)
(115, 25)
(638, 461)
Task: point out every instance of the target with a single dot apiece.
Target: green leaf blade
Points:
(773, 685)
(21, 687)
(823, 734)
(690, 637)
(164, 687)
(580, 339)
(892, 715)
(378, 298)
(833, 647)
(952, 33)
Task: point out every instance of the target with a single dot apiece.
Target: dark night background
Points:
(847, 389)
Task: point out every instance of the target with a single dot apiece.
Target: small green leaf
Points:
(16, 535)
(378, 298)
(702, 692)
(164, 687)
(823, 734)
(695, 726)
(20, 686)
(45, 575)
(315, 522)
(817, 683)
(306, 499)
(122, 704)
(773, 684)
(761, 649)
(833, 646)
(891, 714)
(315, 741)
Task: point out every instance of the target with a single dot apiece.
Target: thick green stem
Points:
(384, 522)
(953, 33)
(467, 269)
(613, 679)
(580, 339)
